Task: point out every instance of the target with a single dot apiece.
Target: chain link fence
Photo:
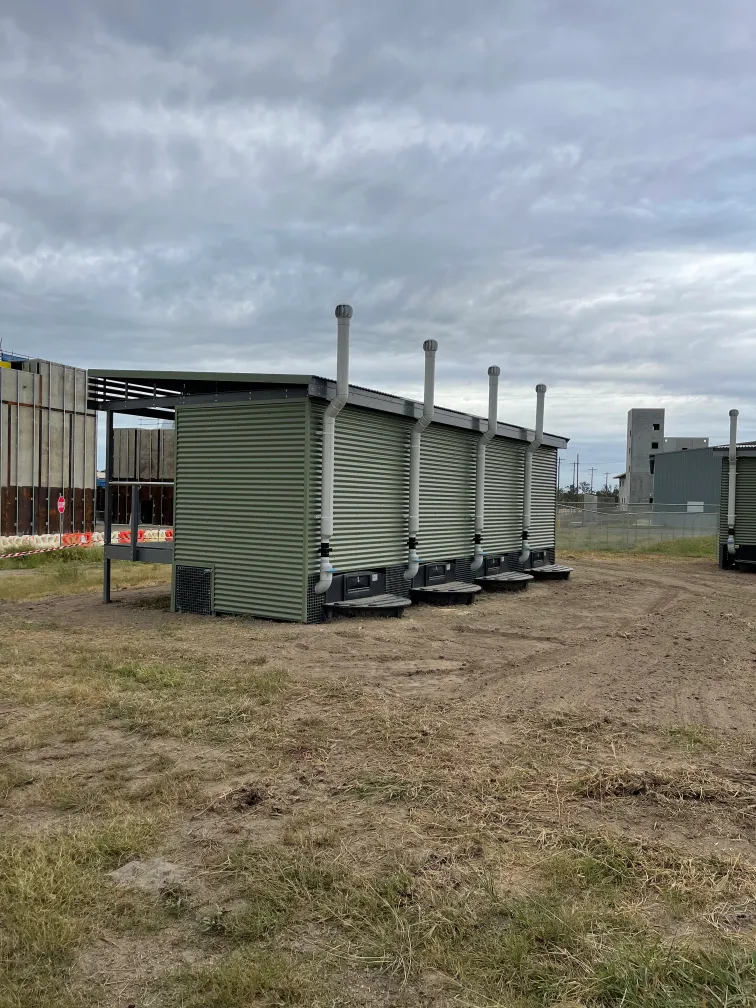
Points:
(607, 527)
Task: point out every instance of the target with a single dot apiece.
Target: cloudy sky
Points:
(564, 187)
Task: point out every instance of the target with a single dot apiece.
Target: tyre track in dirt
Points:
(637, 641)
(660, 664)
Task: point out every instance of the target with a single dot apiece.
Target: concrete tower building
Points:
(645, 439)
(645, 436)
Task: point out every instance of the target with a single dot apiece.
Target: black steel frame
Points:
(135, 551)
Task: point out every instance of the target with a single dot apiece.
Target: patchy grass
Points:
(248, 976)
(691, 548)
(583, 933)
(367, 838)
(693, 736)
(56, 897)
(187, 697)
(578, 861)
(63, 573)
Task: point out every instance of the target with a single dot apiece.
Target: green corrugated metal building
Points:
(745, 507)
(247, 486)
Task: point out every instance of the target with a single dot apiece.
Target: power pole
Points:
(577, 474)
(593, 470)
(606, 480)
(559, 473)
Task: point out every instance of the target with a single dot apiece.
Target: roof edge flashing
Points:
(131, 391)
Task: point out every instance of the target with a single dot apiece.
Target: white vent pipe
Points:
(430, 347)
(343, 314)
(733, 457)
(480, 474)
(527, 490)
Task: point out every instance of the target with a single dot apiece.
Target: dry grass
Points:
(345, 841)
(584, 930)
(72, 573)
(55, 897)
(687, 785)
(187, 696)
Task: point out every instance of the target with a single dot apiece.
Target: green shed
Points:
(283, 509)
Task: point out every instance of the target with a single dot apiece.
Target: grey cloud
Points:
(567, 188)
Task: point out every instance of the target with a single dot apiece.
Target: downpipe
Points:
(343, 316)
(527, 489)
(480, 472)
(732, 482)
(413, 560)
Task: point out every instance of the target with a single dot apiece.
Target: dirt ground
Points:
(516, 741)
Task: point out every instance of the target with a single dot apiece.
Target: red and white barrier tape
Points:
(84, 539)
(48, 549)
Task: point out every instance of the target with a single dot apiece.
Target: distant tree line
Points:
(574, 494)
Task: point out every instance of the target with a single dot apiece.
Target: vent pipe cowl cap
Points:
(343, 311)
(430, 344)
(734, 412)
(540, 388)
(494, 370)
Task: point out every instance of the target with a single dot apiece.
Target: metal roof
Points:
(157, 394)
(744, 446)
(177, 379)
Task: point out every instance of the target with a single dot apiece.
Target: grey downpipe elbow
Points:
(343, 315)
(480, 473)
(527, 488)
(732, 482)
(413, 559)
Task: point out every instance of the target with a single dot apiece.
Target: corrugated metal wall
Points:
(247, 497)
(682, 476)
(505, 463)
(241, 503)
(370, 491)
(447, 493)
(745, 501)
(543, 507)
(448, 474)
(371, 495)
(48, 442)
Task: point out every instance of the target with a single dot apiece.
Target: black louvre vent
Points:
(194, 586)
(464, 572)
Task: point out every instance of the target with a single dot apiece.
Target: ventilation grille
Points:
(464, 571)
(396, 583)
(314, 602)
(194, 590)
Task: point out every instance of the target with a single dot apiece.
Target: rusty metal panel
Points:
(48, 445)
